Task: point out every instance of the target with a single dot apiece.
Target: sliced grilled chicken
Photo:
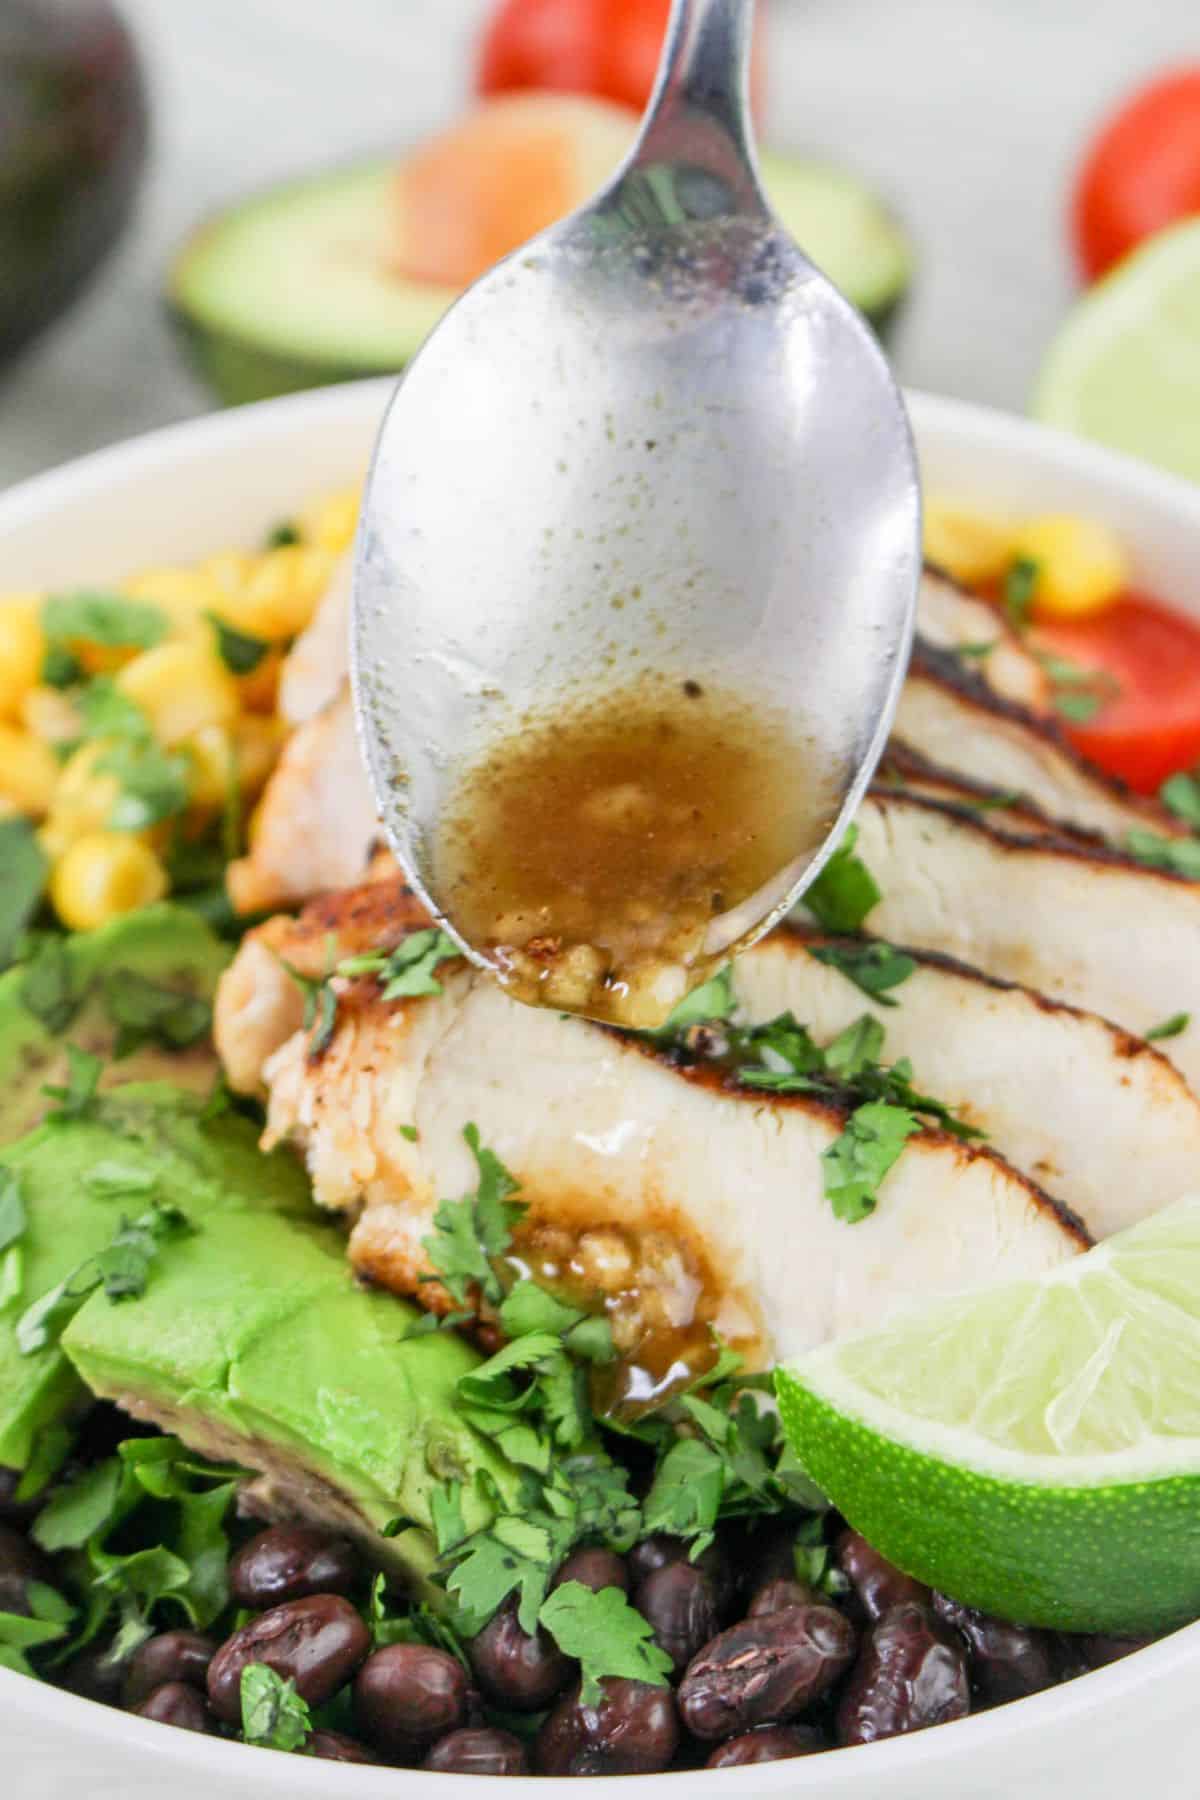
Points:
(318, 663)
(315, 824)
(950, 716)
(950, 618)
(908, 772)
(1099, 1117)
(1082, 925)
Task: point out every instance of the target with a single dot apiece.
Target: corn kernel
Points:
(184, 596)
(211, 775)
(283, 593)
(22, 649)
(259, 690)
(103, 876)
(257, 741)
(50, 715)
(28, 771)
(1081, 566)
(231, 570)
(332, 522)
(970, 546)
(83, 800)
(181, 688)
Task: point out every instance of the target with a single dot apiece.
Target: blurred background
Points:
(968, 118)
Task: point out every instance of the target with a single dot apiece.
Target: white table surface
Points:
(968, 114)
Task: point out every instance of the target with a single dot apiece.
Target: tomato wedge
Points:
(1148, 726)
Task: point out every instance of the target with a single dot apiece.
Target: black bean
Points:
(632, 1729)
(659, 1549)
(406, 1695)
(335, 1746)
(20, 1563)
(765, 1670)
(172, 1656)
(1007, 1661)
(290, 1562)
(478, 1753)
(681, 1607)
(94, 1675)
(770, 1743)
(317, 1643)
(595, 1569)
(516, 1669)
(876, 1582)
(779, 1595)
(1098, 1648)
(911, 1672)
(175, 1703)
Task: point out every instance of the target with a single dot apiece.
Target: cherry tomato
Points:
(609, 48)
(1141, 173)
(1150, 726)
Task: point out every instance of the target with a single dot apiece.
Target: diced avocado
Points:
(253, 1342)
(162, 947)
(297, 286)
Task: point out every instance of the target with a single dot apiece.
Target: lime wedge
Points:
(1032, 1449)
(1125, 367)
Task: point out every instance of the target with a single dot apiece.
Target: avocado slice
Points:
(292, 287)
(252, 1340)
(161, 947)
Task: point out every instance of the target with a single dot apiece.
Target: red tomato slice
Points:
(1150, 728)
(1141, 173)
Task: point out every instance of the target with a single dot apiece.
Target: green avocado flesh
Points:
(292, 288)
(165, 945)
(251, 1341)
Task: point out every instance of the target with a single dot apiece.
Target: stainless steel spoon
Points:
(656, 437)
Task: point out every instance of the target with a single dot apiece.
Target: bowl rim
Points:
(1117, 1686)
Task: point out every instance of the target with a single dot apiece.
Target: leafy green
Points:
(1077, 694)
(976, 652)
(239, 651)
(320, 1010)
(79, 1510)
(60, 669)
(873, 968)
(845, 891)
(95, 616)
(606, 1634)
(1020, 586)
(153, 782)
(469, 1234)
(714, 999)
(857, 1161)
(1170, 1028)
(1179, 856)
(686, 1493)
(22, 878)
(12, 1209)
(273, 1714)
(280, 536)
(105, 712)
(77, 1098)
(50, 988)
(408, 969)
(121, 1269)
(144, 1012)
(1181, 795)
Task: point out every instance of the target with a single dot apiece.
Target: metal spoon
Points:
(662, 398)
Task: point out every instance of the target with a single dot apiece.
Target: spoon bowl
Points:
(656, 440)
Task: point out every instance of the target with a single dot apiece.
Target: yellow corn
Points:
(22, 649)
(1081, 567)
(257, 741)
(210, 754)
(102, 876)
(50, 715)
(28, 771)
(332, 522)
(283, 592)
(83, 800)
(181, 688)
(970, 546)
(184, 596)
(230, 571)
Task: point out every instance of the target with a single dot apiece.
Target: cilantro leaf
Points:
(105, 712)
(873, 968)
(469, 1234)
(685, 1495)
(1020, 585)
(121, 1269)
(856, 1162)
(1181, 795)
(408, 969)
(855, 1049)
(845, 891)
(76, 1512)
(280, 536)
(239, 651)
(530, 1308)
(1170, 1028)
(606, 1634)
(153, 782)
(96, 616)
(145, 1013)
(22, 877)
(50, 988)
(978, 651)
(1180, 856)
(273, 1714)
(12, 1210)
(1076, 693)
(60, 669)
(76, 1099)
(488, 1574)
(714, 999)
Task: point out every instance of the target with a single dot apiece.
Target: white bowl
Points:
(193, 489)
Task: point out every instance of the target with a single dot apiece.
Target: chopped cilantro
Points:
(12, 1209)
(469, 1234)
(60, 668)
(845, 891)
(1077, 694)
(408, 969)
(1020, 585)
(857, 1161)
(273, 1714)
(873, 968)
(281, 536)
(94, 616)
(606, 1634)
(410, 1134)
(75, 1100)
(22, 878)
(976, 652)
(685, 1495)
(239, 651)
(1179, 856)
(1170, 1028)
(153, 783)
(713, 999)
(121, 1270)
(320, 1011)
(1181, 795)
(104, 711)
(50, 989)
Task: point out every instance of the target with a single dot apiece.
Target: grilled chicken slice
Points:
(1085, 926)
(948, 715)
(318, 664)
(1117, 1139)
(904, 770)
(950, 618)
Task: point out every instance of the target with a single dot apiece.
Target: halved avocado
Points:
(296, 287)
(133, 965)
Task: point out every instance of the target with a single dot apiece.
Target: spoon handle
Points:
(699, 113)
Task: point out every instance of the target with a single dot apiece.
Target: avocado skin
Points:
(73, 141)
(168, 945)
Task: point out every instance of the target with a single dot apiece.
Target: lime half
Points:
(1125, 367)
(1032, 1449)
